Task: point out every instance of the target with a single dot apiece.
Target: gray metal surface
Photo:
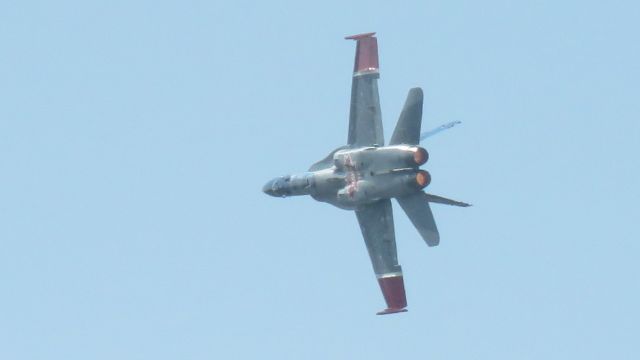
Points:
(407, 129)
(376, 224)
(365, 120)
(417, 208)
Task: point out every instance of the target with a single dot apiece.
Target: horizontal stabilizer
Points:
(417, 208)
(442, 200)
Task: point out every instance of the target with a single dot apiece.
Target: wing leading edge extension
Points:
(376, 224)
(365, 121)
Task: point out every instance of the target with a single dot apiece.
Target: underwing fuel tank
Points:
(375, 158)
(396, 183)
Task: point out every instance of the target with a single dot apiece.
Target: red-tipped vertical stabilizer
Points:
(393, 290)
(366, 54)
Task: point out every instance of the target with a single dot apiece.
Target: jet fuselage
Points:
(348, 178)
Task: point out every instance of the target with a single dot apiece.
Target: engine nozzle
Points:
(420, 155)
(423, 179)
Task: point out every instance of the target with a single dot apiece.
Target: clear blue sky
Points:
(135, 137)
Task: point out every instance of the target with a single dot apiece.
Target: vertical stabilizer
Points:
(408, 128)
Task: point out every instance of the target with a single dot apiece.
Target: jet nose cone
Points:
(278, 187)
(268, 188)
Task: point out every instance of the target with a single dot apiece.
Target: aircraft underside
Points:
(364, 174)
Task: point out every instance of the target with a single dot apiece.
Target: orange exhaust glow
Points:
(423, 178)
(420, 156)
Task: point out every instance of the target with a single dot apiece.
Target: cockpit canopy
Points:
(288, 185)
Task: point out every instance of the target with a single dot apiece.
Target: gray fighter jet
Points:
(364, 174)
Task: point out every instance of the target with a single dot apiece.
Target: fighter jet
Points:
(365, 174)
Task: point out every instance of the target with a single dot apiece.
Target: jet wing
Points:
(376, 224)
(365, 121)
